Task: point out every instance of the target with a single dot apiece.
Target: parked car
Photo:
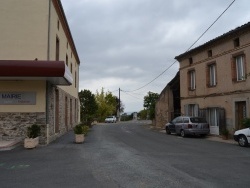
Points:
(110, 119)
(186, 125)
(242, 136)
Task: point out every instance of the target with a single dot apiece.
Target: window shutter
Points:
(202, 113)
(208, 75)
(233, 67)
(196, 110)
(222, 118)
(186, 110)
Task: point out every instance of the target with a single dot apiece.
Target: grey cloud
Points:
(134, 41)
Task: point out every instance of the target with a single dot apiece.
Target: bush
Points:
(33, 131)
(246, 122)
(85, 129)
(78, 129)
(81, 129)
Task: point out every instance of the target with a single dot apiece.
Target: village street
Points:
(127, 155)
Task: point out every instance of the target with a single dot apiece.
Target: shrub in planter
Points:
(78, 129)
(85, 129)
(33, 133)
(79, 133)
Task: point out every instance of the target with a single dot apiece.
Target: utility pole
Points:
(119, 105)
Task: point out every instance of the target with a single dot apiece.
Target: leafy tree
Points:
(143, 114)
(107, 104)
(149, 103)
(88, 106)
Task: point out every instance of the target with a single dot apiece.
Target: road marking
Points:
(13, 167)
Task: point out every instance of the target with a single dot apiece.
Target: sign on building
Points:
(17, 98)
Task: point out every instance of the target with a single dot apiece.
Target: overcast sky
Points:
(127, 43)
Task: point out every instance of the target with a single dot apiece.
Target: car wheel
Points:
(168, 131)
(183, 133)
(242, 141)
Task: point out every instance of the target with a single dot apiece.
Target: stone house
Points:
(168, 105)
(214, 82)
(39, 69)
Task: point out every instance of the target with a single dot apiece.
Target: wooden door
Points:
(240, 113)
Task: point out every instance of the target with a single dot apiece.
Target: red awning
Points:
(56, 72)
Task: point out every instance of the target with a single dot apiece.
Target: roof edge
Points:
(231, 34)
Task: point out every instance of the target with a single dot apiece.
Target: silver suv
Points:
(186, 125)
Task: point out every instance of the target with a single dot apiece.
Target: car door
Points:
(171, 125)
(178, 124)
(248, 135)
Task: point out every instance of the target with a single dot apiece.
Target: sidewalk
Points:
(209, 137)
(219, 139)
(9, 144)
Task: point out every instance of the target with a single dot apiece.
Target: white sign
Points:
(17, 98)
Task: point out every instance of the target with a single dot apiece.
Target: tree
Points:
(149, 103)
(142, 114)
(107, 104)
(88, 106)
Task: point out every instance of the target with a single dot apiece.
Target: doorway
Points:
(240, 113)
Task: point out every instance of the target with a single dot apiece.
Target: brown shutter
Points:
(233, 65)
(207, 76)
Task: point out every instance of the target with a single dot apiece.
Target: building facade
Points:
(39, 76)
(214, 81)
(167, 107)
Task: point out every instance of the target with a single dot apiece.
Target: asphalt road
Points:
(127, 155)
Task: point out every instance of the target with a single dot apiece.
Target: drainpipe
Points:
(47, 84)
(47, 134)
(47, 108)
(49, 22)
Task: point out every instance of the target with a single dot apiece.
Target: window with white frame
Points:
(213, 117)
(191, 109)
(240, 67)
(212, 75)
(191, 79)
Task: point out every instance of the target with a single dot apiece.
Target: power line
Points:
(187, 49)
(131, 95)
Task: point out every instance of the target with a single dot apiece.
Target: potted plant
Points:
(32, 139)
(80, 131)
(79, 134)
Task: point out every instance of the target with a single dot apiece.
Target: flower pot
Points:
(79, 138)
(31, 142)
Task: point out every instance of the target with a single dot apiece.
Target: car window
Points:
(198, 120)
(186, 120)
(179, 120)
(174, 120)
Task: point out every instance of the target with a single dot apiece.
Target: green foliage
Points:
(149, 103)
(85, 129)
(224, 132)
(81, 129)
(143, 114)
(107, 104)
(78, 129)
(33, 131)
(245, 122)
(126, 117)
(88, 106)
